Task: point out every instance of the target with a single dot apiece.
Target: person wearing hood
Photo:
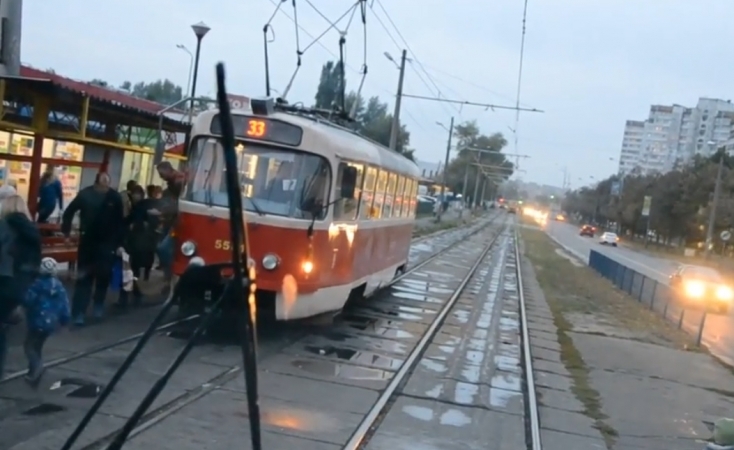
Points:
(101, 231)
(20, 259)
(50, 194)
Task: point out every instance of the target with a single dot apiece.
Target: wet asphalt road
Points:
(317, 382)
(718, 332)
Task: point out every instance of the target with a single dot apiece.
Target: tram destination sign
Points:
(262, 129)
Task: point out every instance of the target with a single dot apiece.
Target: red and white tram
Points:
(297, 171)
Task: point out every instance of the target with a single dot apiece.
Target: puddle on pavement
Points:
(83, 388)
(500, 398)
(356, 356)
(465, 393)
(43, 409)
(455, 418)
(337, 370)
(419, 412)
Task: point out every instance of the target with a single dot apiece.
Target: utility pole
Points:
(445, 172)
(476, 188)
(463, 191)
(484, 185)
(396, 115)
(714, 205)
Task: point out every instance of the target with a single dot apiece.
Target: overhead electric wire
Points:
(407, 46)
(334, 55)
(400, 49)
(519, 72)
(473, 84)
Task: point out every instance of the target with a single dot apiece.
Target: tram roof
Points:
(358, 147)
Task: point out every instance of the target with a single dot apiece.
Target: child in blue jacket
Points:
(46, 310)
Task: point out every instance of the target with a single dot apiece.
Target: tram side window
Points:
(398, 206)
(368, 193)
(379, 195)
(414, 198)
(392, 180)
(348, 208)
(406, 197)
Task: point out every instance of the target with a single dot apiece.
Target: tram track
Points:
(226, 371)
(96, 349)
(512, 291)
(228, 375)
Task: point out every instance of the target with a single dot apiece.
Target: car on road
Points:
(560, 218)
(587, 230)
(699, 287)
(609, 238)
(511, 210)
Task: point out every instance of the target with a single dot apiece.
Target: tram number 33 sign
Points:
(725, 235)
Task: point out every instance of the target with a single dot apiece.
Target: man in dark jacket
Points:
(101, 230)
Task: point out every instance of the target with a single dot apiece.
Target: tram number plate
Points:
(221, 244)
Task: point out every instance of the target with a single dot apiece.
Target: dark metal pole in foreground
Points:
(242, 299)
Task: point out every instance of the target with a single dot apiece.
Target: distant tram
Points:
(325, 207)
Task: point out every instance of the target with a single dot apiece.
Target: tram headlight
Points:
(270, 261)
(307, 266)
(188, 248)
(197, 261)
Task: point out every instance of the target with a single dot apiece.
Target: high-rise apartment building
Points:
(674, 134)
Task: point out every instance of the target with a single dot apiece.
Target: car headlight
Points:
(270, 261)
(695, 289)
(724, 293)
(188, 248)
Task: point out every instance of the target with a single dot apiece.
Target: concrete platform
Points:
(651, 396)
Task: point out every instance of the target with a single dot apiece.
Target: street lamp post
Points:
(200, 30)
(191, 68)
(714, 205)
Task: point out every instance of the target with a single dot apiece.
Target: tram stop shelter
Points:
(48, 106)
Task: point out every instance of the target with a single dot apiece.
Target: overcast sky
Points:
(590, 65)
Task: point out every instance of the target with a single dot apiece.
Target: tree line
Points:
(374, 121)
(680, 206)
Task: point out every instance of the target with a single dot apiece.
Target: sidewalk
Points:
(611, 374)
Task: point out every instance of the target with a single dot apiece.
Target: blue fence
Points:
(656, 295)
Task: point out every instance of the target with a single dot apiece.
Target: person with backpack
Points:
(101, 232)
(20, 259)
(46, 306)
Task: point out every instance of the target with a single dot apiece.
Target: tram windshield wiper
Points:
(254, 206)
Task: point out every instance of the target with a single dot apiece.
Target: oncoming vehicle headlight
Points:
(270, 261)
(724, 293)
(695, 289)
(188, 248)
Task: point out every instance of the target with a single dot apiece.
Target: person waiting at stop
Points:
(50, 194)
(167, 212)
(101, 228)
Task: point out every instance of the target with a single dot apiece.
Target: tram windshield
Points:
(273, 181)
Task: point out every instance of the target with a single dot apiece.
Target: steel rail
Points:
(97, 349)
(358, 436)
(532, 403)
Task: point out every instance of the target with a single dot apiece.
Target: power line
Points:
(400, 49)
(334, 55)
(519, 74)
(407, 46)
(471, 83)
(464, 102)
